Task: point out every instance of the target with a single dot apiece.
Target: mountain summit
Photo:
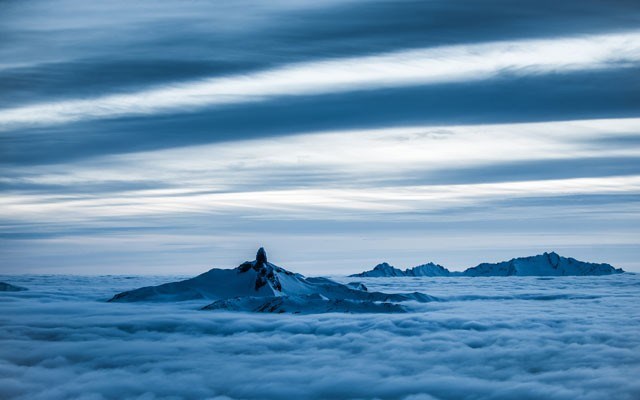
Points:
(261, 286)
(546, 264)
(267, 274)
(384, 269)
(380, 270)
(261, 256)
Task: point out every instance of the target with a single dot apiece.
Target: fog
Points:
(490, 338)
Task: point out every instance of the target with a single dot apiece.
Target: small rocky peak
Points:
(261, 256)
(382, 266)
(266, 272)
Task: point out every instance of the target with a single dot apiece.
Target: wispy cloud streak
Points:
(335, 204)
(404, 68)
(362, 172)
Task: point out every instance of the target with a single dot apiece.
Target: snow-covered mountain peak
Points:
(251, 278)
(545, 264)
(386, 270)
(266, 273)
(428, 269)
(261, 286)
(382, 269)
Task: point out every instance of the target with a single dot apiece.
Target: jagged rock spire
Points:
(261, 256)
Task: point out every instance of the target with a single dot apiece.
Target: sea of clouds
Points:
(489, 338)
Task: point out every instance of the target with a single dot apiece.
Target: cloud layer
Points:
(561, 338)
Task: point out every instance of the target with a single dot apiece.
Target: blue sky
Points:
(138, 137)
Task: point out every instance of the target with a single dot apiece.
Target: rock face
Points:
(264, 287)
(386, 270)
(7, 287)
(267, 273)
(547, 264)
(261, 256)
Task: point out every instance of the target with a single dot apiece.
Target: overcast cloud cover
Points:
(490, 338)
(174, 136)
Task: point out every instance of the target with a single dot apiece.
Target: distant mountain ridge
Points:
(546, 264)
(386, 270)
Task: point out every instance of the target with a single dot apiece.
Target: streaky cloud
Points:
(553, 97)
(328, 158)
(314, 203)
(403, 68)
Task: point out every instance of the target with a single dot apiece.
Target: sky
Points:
(173, 137)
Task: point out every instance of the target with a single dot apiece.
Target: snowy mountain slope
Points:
(547, 264)
(386, 270)
(7, 287)
(257, 279)
(307, 304)
(335, 290)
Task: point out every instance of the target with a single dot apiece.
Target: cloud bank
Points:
(561, 338)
